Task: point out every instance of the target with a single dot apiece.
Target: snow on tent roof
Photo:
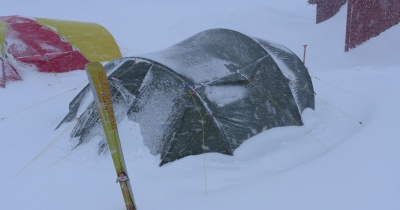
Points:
(51, 45)
(220, 83)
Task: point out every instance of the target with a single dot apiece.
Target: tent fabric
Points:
(208, 93)
(92, 40)
(51, 45)
(5, 70)
(3, 29)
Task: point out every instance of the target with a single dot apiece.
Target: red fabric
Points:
(327, 8)
(10, 72)
(31, 43)
(16, 19)
(368, 18)
(2, 75)
(7, 73)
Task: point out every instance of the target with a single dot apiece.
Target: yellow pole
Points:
(101, 92)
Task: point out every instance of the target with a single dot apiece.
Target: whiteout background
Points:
(282, 168)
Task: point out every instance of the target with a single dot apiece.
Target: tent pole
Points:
(99, 84)
(304, 54)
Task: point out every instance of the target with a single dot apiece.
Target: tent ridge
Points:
(257, 62)
(164, 66)
(215, 86)
(216, 121)
(183, 79)
(53, 45)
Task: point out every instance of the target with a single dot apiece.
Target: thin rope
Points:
(47, 147)
(126, 48)
(287, 114)
(342, 89)
(73, 151)
(204, 149)
(48, 63)
(49, 99)
(203, 139)
(337, 109)
(126, 70)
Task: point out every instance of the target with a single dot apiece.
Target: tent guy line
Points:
(191, 93)
(46, 148)
(67, 155)
(207, 62)
(337, 87)
(339, 110)
(248, 68)
(287, 114)
(330, 104)
(202, 117)
(314, 93)
(41, 102)
(314, 76)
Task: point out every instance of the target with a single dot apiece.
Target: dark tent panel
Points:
(208, 93)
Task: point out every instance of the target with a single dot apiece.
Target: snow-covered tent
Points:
(49, 45)
(208, 93)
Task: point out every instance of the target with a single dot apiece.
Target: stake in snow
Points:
(99, 85)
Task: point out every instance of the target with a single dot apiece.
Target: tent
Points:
(208, 93)
(51, 45)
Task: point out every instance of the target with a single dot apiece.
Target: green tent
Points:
(208, 93)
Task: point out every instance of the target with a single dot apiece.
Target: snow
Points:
(221, 96)
(282, 168)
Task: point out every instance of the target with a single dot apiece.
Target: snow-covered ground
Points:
(282, 168)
